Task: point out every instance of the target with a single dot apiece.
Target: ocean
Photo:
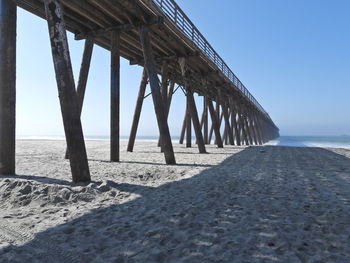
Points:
(293, 141)
(313, 141)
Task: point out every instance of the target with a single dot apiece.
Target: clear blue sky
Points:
(293, 56)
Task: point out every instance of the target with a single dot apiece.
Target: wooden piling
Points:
(188, 125)
(83, 76)
(183, 129)
(215, 123)
(137, 112)
(115, 97)
(67, 93)
(8, 25)
(191, 106)
(229, 133)
(157, 100)
(205, 120)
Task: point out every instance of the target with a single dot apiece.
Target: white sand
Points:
(256, 204)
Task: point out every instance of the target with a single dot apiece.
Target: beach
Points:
(237, 204)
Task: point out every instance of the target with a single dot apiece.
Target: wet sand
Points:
(237, 204)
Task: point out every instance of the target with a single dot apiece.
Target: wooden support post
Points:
(115, 96)
(164, 85)
(83, 76)
(260, 130)
(241, 125)
(251, 122)
(220, 122)
(183, 130)
(188, 125)
(164, 93)
(67, 93)
(215, 122)
(235, 126)
(191, 106)
(247, 128)
(227, 124)
(205, 128)
(234, 122)
(170, 96)
(137, 113)
(212, 127)
(157, 100)
(256, 127)
(8, 27)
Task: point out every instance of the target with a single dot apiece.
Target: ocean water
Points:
(313, 141)
(293, 141)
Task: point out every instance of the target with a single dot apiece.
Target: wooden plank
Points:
(157, 100)
(83, 76)
(137, 113)
(8, 27)
(67, 93)
(215, 122)
(115, 97)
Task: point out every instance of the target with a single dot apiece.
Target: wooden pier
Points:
(155, 34)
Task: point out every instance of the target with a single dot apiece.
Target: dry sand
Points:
(256, 204)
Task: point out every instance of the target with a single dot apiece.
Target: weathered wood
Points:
(188, 125)
(120, 28)
(67, 93)
(83, 76)
(115, 97)
(164, 92)
(205, 120)
(157, 100)
(170, 95)
(212, 127)
(8, 26)
(234, 123)
(215, 122)
(137, 113)
(195, 121)
(169, 99)
(257, 135)
(227, 124)
(247, 128)
(243, 128)
(183, 129)
(251, 124)
(191, 105)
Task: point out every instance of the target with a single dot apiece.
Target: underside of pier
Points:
(154, 34)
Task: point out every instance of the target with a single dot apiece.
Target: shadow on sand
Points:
(263, 204)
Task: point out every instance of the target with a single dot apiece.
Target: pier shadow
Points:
(263, 204)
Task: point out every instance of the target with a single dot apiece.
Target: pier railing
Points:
(184, 24)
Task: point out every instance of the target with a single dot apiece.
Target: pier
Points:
(154, 34)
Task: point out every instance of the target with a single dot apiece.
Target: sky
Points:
(292, 55)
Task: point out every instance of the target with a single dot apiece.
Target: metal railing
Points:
(184, 24)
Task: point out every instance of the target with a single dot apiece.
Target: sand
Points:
(238, 204)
